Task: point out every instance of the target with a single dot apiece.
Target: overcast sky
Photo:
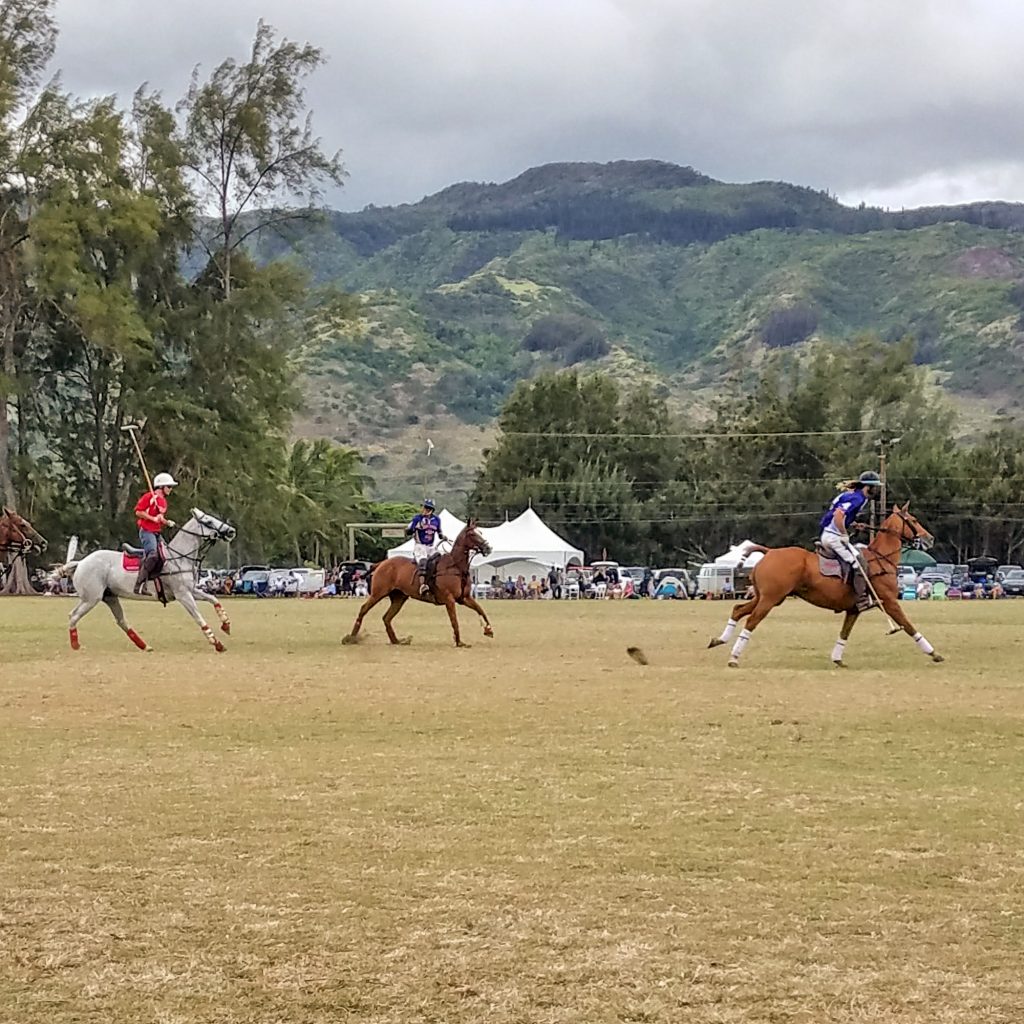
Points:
(896, 102)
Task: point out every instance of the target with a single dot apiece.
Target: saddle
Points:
(429, 570)
(828, 565)
(131, 561)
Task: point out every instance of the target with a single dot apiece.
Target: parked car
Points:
(1004, 570)
(1013, 583)
(907, 576)
(253, 581)
(933, 575)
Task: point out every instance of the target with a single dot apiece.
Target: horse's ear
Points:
(9, 512)
(472, 523)
(906, 507)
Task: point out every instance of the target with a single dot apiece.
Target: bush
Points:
(571, 338)
(786, 327)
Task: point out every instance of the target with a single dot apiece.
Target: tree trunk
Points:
(17, 584)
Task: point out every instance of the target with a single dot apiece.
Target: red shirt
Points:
(156, 505)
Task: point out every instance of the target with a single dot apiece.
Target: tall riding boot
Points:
(421, 571)
(860, 591)
(140, 579)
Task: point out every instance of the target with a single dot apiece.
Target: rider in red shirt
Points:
(151, 518)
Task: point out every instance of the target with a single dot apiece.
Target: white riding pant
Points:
(421, 552)
(840, 546)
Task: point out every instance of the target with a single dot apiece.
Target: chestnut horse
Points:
(17, 535)
(795, 571)
(398, 578)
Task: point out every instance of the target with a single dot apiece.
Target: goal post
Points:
(386, 530)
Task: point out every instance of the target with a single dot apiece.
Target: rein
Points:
(893, 566)
(196, 560)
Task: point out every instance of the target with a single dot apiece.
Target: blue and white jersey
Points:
(851, 502)
(424, 529)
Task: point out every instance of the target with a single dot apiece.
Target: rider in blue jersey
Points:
(835, 524)
(425, 530)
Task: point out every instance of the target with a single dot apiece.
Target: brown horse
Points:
(18, 535)
(398, 578)
(795, 571)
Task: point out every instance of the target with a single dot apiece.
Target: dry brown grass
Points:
(536, 830)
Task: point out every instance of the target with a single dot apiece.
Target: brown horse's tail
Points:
(755, 548)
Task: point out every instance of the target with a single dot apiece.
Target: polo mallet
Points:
(132, 428)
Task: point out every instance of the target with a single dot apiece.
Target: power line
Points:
(690, 437)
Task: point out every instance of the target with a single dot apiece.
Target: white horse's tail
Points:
(64, 571)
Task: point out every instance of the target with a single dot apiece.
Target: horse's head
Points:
(211, 527)
(910, 532)
(17, 533)
(473, 539)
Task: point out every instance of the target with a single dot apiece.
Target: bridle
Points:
(206, 541)
(22, 548)
(918, 538)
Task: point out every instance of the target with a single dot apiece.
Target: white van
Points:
(714, 579)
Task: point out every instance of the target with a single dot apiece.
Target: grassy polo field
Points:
(535, 830)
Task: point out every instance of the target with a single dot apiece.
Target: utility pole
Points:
(884, 444)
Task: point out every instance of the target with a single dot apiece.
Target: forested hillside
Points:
(646, 270)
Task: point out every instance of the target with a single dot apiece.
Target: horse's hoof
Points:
(219, 647)
(226, 627)
(733, 663)
(351, 638)
(404, 641)
(937, 657)
(461, 644)
(839, 664)
(715, 642)
(488, 631)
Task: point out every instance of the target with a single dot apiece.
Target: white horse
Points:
(101, 576)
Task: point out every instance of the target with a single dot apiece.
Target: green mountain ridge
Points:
(645, 269)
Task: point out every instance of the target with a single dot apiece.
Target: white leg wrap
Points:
(926, 648)
(730, 628)
(741, 641)
(839, 650)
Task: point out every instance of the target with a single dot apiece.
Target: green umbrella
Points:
(918, 559)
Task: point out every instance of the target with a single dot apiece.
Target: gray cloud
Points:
(895, 103)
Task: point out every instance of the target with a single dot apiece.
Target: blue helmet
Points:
(429, 503)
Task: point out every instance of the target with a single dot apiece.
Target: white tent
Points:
(740, 556)
(527, 539)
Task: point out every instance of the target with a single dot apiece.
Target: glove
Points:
(409, 531)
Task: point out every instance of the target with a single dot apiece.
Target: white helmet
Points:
(164, 480)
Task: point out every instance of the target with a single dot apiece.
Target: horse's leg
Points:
(188, 602)
(397, 603)
(202, 595)
(112, 602)
(739, 611)
(895, 612)
(764, 605)
(366, 606)
(844, 634)
(84, 606)
(449, 603)
(470, 602)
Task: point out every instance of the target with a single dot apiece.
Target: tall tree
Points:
(28, 36)
(250, 144)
